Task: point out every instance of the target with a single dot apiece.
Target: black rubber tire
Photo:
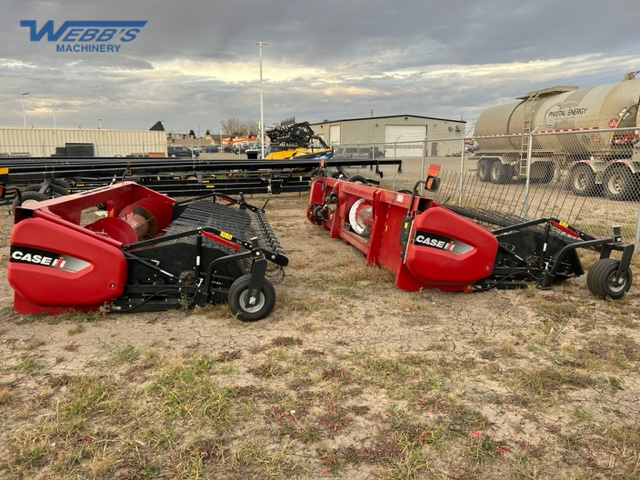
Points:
(483, 170)
(53, 190)
(499, 172)
(32, 188)
(619, 183)
(549, 170)
(63, 183)
(33, 197)
(600, 279)
(582, 180)
(357, 179)
(237, 293)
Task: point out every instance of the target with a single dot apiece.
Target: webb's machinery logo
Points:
(86, 36)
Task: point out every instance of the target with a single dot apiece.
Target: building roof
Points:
(389, 116)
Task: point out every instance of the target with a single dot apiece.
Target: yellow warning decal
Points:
(4, 170)
(226, 235)
(563, 223)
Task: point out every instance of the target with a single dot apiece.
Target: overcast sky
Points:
(196, 63)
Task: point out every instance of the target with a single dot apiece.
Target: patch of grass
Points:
(28, 365)
(187, 390)
(618, 351)
(230, 356)
(483, 446)
(73, 316)
(253, 459)
(582, 415)
(34, 343)
(76, 329)
(294, 422)
(90, 395)
(122, 354)
(555, 308)
(335, 417)
(270, 368)
(286, 341)
(6, 395)
(543, 382)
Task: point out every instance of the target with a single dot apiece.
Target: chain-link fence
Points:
(588, 178)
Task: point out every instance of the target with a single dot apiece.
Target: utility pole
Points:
(24, 115)
(260, 44)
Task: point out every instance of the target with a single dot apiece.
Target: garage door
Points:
(334, 135)
(404, 140)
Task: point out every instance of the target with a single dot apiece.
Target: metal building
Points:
(44, 142)
(396, 135)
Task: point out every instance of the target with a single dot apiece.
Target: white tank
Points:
(586, 111)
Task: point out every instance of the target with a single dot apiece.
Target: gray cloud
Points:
(195, 64)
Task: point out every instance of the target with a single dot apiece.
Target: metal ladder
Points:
(526, 130)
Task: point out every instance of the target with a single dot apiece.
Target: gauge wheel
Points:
(237, 299)
(601, 279)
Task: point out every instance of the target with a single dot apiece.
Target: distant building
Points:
(81, 142)
(397, 135)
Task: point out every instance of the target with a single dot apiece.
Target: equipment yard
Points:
(348, 377)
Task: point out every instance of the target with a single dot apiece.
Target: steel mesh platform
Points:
(242, 223)
(492, 219)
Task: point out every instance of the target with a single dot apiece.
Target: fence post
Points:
(637, 239)
(461, 186)
(525, 207)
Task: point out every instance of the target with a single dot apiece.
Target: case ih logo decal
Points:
(47, 259)
(86, 36)
(432, 240)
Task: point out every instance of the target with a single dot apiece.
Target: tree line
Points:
(236, 128)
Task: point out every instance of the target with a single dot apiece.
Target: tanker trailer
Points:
(584, 130)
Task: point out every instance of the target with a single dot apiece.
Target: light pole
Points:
(260, 44)
(24, 116)
(99, 124)
(54, 117)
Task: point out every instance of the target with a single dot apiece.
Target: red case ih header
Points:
(148, 253)
(426, 245)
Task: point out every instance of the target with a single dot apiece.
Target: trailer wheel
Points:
(63, 183)
(601, 279)
(544, 172)
(54, 189)
(619, 183)
(499, 172)
(483, 170)
(357, 179)
(582, 180)
(238, 293)
(33, 197)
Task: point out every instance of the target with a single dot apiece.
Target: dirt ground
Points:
(551, 374)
